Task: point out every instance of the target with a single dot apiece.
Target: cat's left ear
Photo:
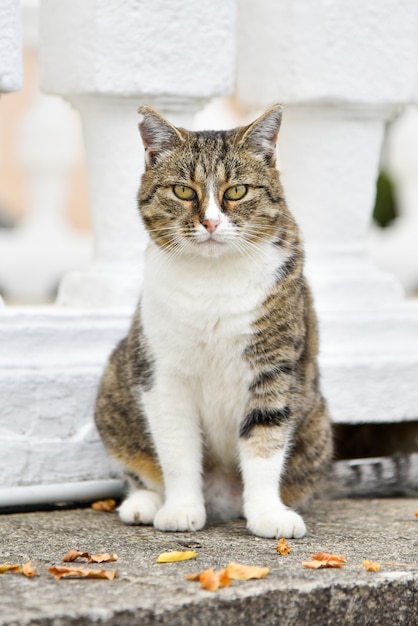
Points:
(158, 135)
(261, 135)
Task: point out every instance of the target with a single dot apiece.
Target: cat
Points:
(212, 402)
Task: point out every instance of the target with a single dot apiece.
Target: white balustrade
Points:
(341, 70)
(107, 60)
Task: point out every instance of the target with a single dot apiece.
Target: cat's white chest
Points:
(197, 318)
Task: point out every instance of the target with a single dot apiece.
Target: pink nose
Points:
(211, 225)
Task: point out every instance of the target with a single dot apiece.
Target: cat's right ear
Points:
(158, 135)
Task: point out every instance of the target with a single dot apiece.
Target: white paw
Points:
(140, 507)
(180, 517)
(277, 523)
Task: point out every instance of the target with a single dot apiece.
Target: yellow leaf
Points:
(8, 567)
(238, 571)
(371, 566)
(176, 555)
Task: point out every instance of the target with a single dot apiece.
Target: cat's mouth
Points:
(211, 246)
(212, 243)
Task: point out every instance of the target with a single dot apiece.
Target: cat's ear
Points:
(158, 135)
(261, 135)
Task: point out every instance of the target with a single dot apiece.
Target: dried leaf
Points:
(313, 564)
(416, 513)
(73, 555)
(283, 547)
(371, 566)
(176, 555)
(103, 558)
(8, 567)
(211, 580)
(325, 559)
(60, 571)
(328, 556)
(28, 570)
(224, 578)
(238, 571)
(107, 506)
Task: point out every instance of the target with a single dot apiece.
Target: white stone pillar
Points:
(341, 70)
(108, 59)
(34, 256)
(114, 157)
(10, 50)
(330, 160)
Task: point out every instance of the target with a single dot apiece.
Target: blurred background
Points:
(45, 223)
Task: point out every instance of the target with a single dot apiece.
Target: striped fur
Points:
(212, 403)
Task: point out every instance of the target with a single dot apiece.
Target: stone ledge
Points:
(147, 593)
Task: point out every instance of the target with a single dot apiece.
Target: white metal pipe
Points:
(60, 493)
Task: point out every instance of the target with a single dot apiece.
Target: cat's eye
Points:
(184, 193)
(235, 193)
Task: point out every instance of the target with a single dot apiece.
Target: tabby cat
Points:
(212, 402)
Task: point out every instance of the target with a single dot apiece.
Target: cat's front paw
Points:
(277, 523)
(180, 517)
(140, 507)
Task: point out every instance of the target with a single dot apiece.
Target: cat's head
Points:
(211, 192)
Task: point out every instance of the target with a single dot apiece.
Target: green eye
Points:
(235, 193)
(184, 193)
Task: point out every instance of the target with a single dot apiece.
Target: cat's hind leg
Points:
(145, 495)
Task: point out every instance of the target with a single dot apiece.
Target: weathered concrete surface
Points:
(146, 593)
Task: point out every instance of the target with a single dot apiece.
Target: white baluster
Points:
(341, 70)
(395, 248)
(108, 62)
(115, 161)
(34, 256)
(335, 152)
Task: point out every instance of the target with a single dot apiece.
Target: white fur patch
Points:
(197, 314)
(140, 507)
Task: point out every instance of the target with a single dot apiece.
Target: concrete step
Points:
(147, 593)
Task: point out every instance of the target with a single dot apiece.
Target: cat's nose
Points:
(211, 225)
